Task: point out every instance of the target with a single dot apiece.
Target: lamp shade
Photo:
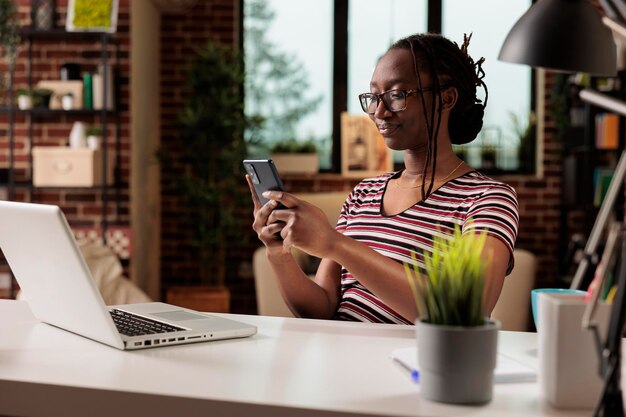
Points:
(562, 35)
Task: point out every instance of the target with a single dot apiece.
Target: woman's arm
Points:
(304, 297)
(304, 226)
(305, 229)
(497, 255)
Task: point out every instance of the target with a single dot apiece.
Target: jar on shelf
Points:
(42, 14)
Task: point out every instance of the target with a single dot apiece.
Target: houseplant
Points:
(456, 343)
(211, 182)
(9, 41)
(526, 132)
(41, 97)
(296, 157)
(488, 155)
(24, 98)
(67, 101)
(94, 137)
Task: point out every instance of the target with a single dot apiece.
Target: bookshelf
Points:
(94, 50)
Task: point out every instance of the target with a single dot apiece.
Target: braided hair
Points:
(448, 66)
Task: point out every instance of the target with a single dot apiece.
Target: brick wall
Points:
(216, 20)
(82, 206)
(540, 199)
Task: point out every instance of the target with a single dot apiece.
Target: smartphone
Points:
(264, 176)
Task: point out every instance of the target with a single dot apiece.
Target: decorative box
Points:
(67, 167)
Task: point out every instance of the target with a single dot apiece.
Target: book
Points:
(88, 91)
(607, 131)
(507, 370)
(99, 95)
(602, 180)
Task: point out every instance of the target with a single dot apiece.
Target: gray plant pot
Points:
(456, 364)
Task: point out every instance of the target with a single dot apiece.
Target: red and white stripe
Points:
(472, 201)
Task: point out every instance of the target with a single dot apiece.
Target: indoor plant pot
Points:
(41, 98)
(209, 176)
(456, 343)
(200, 298)
(296, 163)
(24, 99)
(457, 363)
(296, 157)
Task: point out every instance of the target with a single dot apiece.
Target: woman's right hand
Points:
(267, 233)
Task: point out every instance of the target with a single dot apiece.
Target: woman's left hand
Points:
(306, 226)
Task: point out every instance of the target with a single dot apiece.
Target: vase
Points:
(296, 163)
(78, 137)
(456, 364)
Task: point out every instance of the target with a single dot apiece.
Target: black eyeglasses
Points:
(394, 100)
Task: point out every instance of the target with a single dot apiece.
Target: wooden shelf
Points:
(62, 34)
(49, 112)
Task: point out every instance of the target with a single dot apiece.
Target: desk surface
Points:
(291, 367)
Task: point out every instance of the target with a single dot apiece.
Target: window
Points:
(297, 98)
(288, 55)
(372, 27)
(497, 147)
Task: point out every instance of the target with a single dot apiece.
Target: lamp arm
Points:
(604, 101)
(614, 26)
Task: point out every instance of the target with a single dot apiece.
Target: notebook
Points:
(40, 249)
(507, 368)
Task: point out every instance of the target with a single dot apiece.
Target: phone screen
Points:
(264, 176)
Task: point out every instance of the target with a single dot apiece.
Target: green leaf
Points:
(454, 279)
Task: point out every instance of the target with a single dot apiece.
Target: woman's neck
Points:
(415, 161)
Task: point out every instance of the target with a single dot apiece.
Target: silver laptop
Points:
(53, 276)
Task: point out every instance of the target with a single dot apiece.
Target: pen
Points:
(415, 375)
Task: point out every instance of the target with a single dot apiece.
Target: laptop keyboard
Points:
(132, 325)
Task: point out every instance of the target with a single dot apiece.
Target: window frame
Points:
(340, 74)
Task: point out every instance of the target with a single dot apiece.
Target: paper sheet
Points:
(507, 368)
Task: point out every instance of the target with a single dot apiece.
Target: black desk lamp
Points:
(562, 35)
(569, 36)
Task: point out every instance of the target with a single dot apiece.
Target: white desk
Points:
(292, 367)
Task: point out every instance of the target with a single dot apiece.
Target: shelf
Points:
(48, 112)
(56, 34)
(25, 185)
(102, 48)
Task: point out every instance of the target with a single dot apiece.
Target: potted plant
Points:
(296, 157)
(488, 156)
(41, 97)
(456, 342)
(460, 151)
(9, 41)
(211, 181)
(24, 98)
(67, 101)
(94, 137)
(526, 132)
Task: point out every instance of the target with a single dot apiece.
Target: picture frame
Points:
(92, 16)
(363, 150)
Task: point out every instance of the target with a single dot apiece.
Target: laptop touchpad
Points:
(180, 315)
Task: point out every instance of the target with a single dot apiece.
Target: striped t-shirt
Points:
(491, 205)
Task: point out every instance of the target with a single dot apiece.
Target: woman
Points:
(422, 99)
